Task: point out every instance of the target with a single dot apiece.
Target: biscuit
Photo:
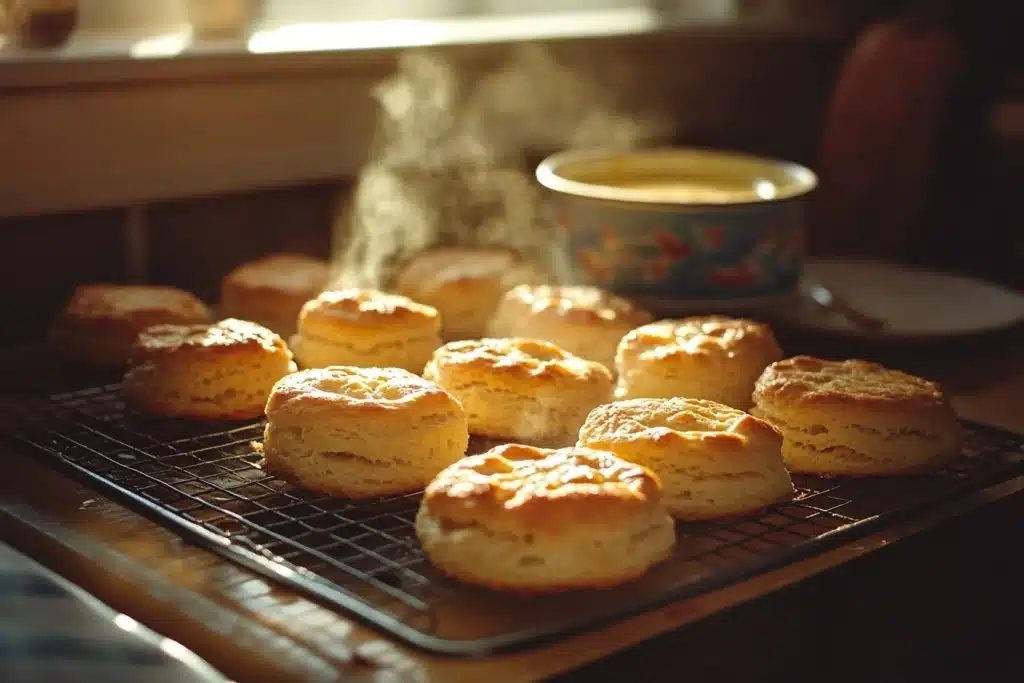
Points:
(464, 284)
(712, 357)
(521, 389)
(366, 328)
(855, 418)
(100, 323)
(536, 520)
(223, 371)
(713, 461)
(586, 321)
(361, 432)
(271, 291)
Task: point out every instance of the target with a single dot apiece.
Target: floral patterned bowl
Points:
(680, 229)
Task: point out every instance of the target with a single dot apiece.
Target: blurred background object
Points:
(221, 18)
(909, 159)
(40, 23)
(1007, 172)
(881, 135)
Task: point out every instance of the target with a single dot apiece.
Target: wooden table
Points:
(253, 631)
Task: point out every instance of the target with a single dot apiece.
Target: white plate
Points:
(915, 304)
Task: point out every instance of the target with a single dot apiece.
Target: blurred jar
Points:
(1004, 205)
(40, 23)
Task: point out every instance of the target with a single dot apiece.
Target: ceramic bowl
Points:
(680, 229)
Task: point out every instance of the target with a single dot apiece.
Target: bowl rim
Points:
(548, 175)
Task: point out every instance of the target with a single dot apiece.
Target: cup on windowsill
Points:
(220, 19)
(39, 23)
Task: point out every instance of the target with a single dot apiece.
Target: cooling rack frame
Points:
(58, 425)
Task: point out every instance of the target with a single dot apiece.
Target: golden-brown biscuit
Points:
(856, 418)
(223, 371)
(586, 321)
(710, 357)
(464, 284)
(362, 432)
(536, 520)
(713, 461)
(100, 323)
(271, 291)
(522, 389)
(366, 328)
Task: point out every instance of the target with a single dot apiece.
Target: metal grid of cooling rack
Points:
(202, 479)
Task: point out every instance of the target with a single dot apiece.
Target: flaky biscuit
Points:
(711, 357)
(100, 323)
(538, 520)
(856, 418)
(223, 371)
(522, 389)
(713, 461)
(361, 432)
(586, 321)
(271, 290)
(366, 328)
(464, 284)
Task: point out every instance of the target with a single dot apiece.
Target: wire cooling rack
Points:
(202, 480)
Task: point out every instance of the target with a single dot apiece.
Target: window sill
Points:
(117, 121)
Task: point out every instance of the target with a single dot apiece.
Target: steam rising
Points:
(450, 160)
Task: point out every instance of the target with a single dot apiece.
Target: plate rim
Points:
(902, 337)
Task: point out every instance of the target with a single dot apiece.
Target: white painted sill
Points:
(117, 122)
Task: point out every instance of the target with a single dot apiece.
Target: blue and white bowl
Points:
(680, 229)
